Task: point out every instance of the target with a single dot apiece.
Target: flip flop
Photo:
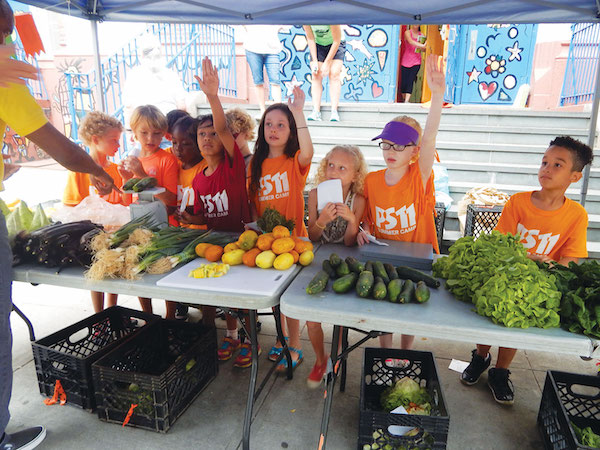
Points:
(282, 366)
(275, 352)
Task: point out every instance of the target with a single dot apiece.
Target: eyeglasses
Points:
(395, 147)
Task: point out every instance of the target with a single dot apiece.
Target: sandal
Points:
(282, 366)
(275, 352)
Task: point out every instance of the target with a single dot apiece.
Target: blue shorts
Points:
(257, 61)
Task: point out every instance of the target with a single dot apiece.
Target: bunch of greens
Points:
(580, 303)
(406, 392)
(494, 273)
(586, 436)
(271, 218)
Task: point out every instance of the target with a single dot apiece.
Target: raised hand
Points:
(209, 83)
(296, 104)
(436, 78)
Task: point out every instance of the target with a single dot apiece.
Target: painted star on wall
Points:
(473, 75)
(289, 85)
(365, 72)
(515, 51)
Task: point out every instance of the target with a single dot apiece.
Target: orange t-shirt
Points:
(404, 211)
(164, 167)
(79, 187)
(557, 234)
(186, 176)
(282, 184)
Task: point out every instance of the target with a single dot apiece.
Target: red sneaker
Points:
(244, 359)
(227, 348)
(316, 376)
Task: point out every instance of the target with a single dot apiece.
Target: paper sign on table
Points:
(458, 366)
(329, 191)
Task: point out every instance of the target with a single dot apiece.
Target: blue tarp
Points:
(329, 11)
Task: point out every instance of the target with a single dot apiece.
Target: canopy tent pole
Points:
(100, 105)
(592, 130)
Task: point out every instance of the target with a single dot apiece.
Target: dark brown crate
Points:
(68, 354)
(162, 370)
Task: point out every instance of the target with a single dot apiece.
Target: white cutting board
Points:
(239, 279)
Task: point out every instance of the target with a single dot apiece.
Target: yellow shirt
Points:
(20, 111)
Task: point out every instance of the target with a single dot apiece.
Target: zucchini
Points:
(327, 267)
(379, 289)
(380, 271)
(145, 183)
(391, 271)
(364, 285)
(407, 293)
(422, 293)
(342, 269)
(345, 283)
(369, 267)
(355, 265)
(334, 259)
(318, 283)
(131, 183)
(408, 273)
(393, 290)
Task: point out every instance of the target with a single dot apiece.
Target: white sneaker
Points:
(335, 117)
(315, 115)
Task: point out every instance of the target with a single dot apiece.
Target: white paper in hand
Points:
(329, 191)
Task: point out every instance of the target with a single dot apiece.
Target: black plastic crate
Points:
(162, 370)
(481, 219)
(440, 218)
(568, 397)
(377, 376)
(68, 354)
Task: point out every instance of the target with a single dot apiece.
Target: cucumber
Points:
(335, 260)
(393, 290)
(327, 267)
(407, 293)
(342, 269)
(364, 285)
(345, 283)
(408, 273)
(369, 267)
(422, 293)
(145, 183)
(379, 289)
(318, 283)
(380, 271)
(355, 265)
(391, 271)
(131, 183)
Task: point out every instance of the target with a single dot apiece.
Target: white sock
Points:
(233, 334)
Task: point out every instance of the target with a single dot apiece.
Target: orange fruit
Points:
(249, 258)
(201, 248)
(265, 241)
(296, 256)
(283, 245)
(280, 231)
(231, 246)
(214, 253)
(247, 239)
(302, 246)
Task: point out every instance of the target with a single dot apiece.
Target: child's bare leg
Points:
(146, 304)
(97, 301)
(232, 330)
(112, 300)
(406, 341)
(505, 357)
(171, 308)
(294, 329)
(483, 350)
(208, 316)
(315, 333)
(283, 330)
(386, 340)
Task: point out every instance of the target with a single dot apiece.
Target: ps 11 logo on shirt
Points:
(278, 182)
(387, 219)
(530, 238)
(216, 205)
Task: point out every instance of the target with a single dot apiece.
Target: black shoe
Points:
(220, 313)
(501, 386)
(23, 440)
(473, 372)
(181, 311)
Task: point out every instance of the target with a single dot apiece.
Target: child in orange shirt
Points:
(553, 228)
(149, 126)
(401, 198)
(278, 170)
(336, 223)
(101, 133)
(241, 124)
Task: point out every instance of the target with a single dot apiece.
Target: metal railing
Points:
(582, 62)
(183, 47)
(36, 87)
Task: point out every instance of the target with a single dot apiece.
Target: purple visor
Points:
(399, 133)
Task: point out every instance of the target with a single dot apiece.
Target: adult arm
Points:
(312, 48)
(12, 70)
(408, 37)
(437, 83)
(306, 146)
